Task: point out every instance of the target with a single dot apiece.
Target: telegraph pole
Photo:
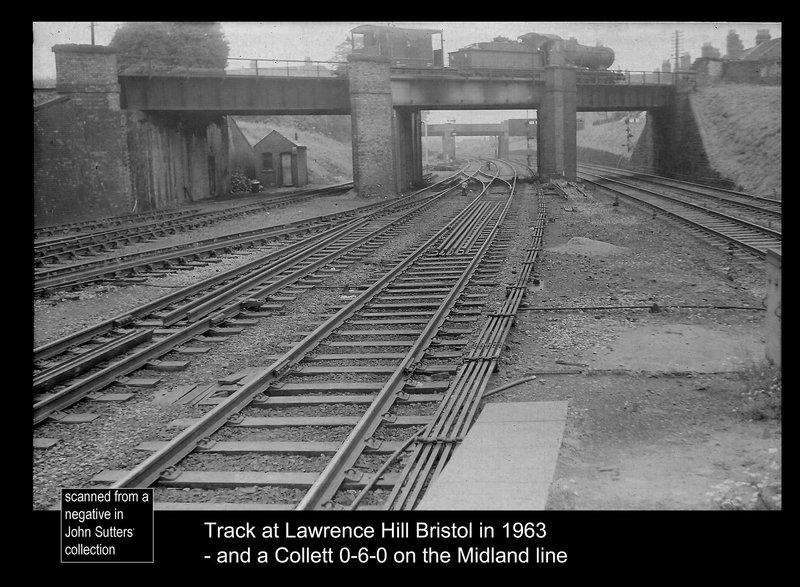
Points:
(678, 41)
(91, 25)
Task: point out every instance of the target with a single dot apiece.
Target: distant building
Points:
(274, 160)
(766, 57)
(709, 51)
(280, 162)
(734, 44)
(760, 64)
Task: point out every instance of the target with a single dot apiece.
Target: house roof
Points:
(767, 50)
(275, 132)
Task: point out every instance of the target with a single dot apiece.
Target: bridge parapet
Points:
(582, 76)
(131, 65)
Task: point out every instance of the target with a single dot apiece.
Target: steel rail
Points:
(730, 201)
(190, 250)
(49, 378)
(145, 217)
(696, 207)
(77, 244)
(212, 301)
(165, 214)
(470, 239)
(71, 368)
(107, 270)
(46, 231)
(209, 303)
(457, 410)
(55, 347)
(466, 377)
(107, 375)
(87, 228)
(100, 379)
(449, 244)
(331, 478)
(689, 183)
(152, 467)
(695, 224)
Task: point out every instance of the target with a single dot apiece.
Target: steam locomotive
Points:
(531, 53)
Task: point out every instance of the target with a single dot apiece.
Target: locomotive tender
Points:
(532, 52)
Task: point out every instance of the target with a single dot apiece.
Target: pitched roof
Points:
(767, 50)
(275, 132)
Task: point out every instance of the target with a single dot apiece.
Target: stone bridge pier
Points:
(372, 119)
(87, 75)
(557, 139)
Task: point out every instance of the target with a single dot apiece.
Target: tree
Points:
(340, 54)
(342, 50)
(187, 44)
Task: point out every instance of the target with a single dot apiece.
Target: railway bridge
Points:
(515, 127)
(384, 103)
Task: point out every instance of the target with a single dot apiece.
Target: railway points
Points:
(426, 357)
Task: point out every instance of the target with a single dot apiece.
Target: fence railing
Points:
(135, 65)
(635, 78)
(283, 68)
(583, 76)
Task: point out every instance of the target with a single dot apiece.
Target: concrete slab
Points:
(682, 347)
(506, 461)
(44, 443)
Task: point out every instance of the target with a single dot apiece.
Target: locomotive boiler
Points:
(416, 48)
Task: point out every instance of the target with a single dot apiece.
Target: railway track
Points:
(137, 267)
(90, 243)
(69, 369)
(104, 223)
(357, 387)
(744, 239)
(698, 187)
(765, 211)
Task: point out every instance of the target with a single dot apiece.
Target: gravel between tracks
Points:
(109, 442)
(652, 423)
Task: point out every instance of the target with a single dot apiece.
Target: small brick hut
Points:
(280, 162)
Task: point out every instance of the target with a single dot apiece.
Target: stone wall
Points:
(177, 158)
(671, 145)
(68, 184)
(94, 160)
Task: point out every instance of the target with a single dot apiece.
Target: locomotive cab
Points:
(405, 47)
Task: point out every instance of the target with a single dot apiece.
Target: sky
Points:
(638, 46)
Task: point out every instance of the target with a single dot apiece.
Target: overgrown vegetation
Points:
(763, 395)
(761, 487)
(336, 127)
(186, 44)
(741, 128)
